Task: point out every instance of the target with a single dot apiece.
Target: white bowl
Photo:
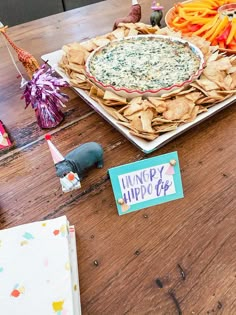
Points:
(131, 93)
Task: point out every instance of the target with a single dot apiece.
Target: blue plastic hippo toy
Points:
(81, 159)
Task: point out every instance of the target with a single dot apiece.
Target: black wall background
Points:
(13, 12)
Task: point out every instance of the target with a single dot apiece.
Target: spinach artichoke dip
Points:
(144, 63)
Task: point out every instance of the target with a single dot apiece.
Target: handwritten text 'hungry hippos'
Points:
(146, 184)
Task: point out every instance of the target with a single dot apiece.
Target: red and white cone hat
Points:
(56, 155)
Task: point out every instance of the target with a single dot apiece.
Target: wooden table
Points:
(188, 245)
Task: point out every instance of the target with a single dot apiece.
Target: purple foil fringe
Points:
(44, 95)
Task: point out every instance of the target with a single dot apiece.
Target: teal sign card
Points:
(146, 183)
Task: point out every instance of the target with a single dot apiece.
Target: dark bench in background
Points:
(13, 12)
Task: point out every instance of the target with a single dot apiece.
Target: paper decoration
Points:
(44, 95)
(28, 61)
(146, 183)
(4, 139)
(38, 269)
(55, 153)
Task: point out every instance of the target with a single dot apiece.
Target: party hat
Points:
(56, 155)
(170, 170)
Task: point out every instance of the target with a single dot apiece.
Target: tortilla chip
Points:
(76, 67)
(146, 29)
(193, 114)
(215, 76)
(214, 56)
(112, 103)
(177, 108)
(187, 116)
(89, 45)
(145, 136)
(228, 81)
(133, 116)
(220, 64)
(202, 109)
(64, 60)
(136, 123)
(198, 87)
(227, 92)
(148, 105)
(128, 25)
(172, 93)
(119, 33)
(78, 76)
(206, 100)
(114, 97)
(129, 126)
(137, 100)
(132, 108)
(74, 45)
(96, 92)
(160, 105)
(193, 96)
(166, 127)
(82, 85)
(233, 76)
(100, 41)
(76, 56)
(169, 32)
(146, 120)
(132, 32)
(215, 95)
(113, 112)
(161, 120)
(207, 84)
(111, 37)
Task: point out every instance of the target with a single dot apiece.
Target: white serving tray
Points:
(146, 146)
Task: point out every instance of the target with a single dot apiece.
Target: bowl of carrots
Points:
(214, 20)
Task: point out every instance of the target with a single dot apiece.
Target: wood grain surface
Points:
(174, 258)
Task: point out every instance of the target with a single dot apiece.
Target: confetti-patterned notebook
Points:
(38, 269)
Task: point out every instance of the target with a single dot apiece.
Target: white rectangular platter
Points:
(146, 146)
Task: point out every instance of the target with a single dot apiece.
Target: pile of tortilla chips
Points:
(149, 117)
